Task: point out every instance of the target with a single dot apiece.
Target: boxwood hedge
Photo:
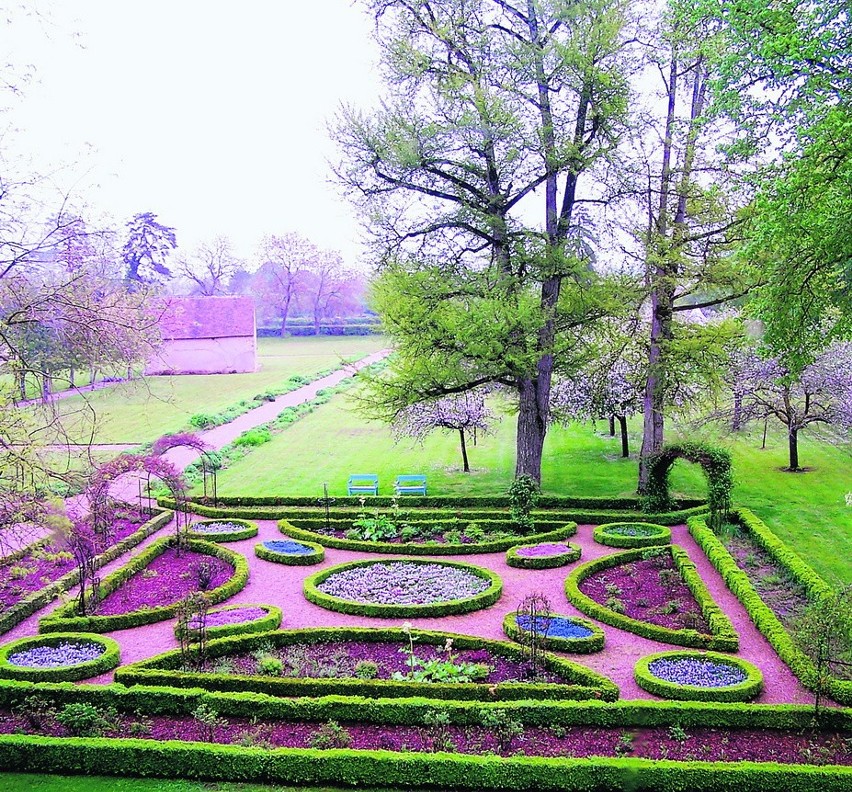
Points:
(541, 561)
(632, 534)
(588, 645)
(241, 529)
(108, 659)
(316, 556)
(270, 621)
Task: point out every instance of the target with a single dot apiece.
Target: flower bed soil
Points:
(649, 743)
(647, 590)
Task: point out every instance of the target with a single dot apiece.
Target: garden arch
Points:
(716, 464)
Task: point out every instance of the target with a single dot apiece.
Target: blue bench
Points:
(410, 485)
(363, 484)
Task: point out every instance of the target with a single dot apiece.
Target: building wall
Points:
(205, 356)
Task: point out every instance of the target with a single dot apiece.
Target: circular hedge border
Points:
(609, 534)
(247, 531)
(746, 690)
(271, 621)
(106, 661)
(588, 645)
(447, 608)
(316, 556)
(541, 561)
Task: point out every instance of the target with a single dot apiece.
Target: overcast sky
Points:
(210, 113)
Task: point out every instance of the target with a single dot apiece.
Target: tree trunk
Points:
(612, 426)
(71, 376)
(22, 385)
(285, 312)
(45, 386)
(737, 419)
(625, 442)
(532, 427)
(793, 442)
(464, 452)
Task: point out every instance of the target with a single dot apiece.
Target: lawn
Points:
(31, 782)
(806, 509)
(144, 409)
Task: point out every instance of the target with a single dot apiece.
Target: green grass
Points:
(144, 409)
(806, 509)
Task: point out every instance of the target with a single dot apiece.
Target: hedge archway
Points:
(716, 464)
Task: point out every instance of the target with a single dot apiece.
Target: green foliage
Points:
(588, 645)
(436, 669)
(504, 727)
(541, 562)
(85, 720)
(331, 735)
(270, 666)
(366, 669)
(209, 719)
(254, 437)
(316, 556)
(106, 661)
(235, 531)
(632, 534)
(523, 496)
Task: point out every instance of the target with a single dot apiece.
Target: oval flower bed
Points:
(559, 633)
(632, 534)
(698, 676)
(288, 551)
(59, 657)
(232, 620)
(544, 555)
(405, 588)
(223, 530)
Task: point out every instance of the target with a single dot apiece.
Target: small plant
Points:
(331, 735)
(670, 607)
(523, 496)
(208, 719)
(616, 604)
(366, 669)
(624, 745)
(642, 602)
(558, 731)
(81, 719)
(375, 528)
(613, 590)
(270, 666)
(37, 710)
(668, 577)
(505, 728)
(203, 575)
(439, 724)
(140, 728)
(677, 732)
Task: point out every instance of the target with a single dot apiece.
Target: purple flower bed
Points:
(166, 580)
(650, 590)
(543, 550)
(215, 527)
(556, 626)
(695, 671)
(403, 583)
(64, 654)
(230, 616)
(288, 547)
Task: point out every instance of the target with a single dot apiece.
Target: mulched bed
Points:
(650, 590)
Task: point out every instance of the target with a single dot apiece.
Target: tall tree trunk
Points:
(285, 312)
(737, 418)
(532, 427)
(612, 426)
(71, 377)
(22, 385)
(793, 443)
(625, 442)
(45, 386)
(465, 462)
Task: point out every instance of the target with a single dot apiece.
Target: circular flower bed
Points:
(59, 657)
(698, 676)
(545, 555)
(289, 551)
(411, 587)
(633, 534)
(559, 633)
(230, 530)
(233, 620)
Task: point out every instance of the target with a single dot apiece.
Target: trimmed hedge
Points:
(292, 559)
(64, 618)
(649, 535)
(751, 687)
(759, 612)
(171, 759)
(593, 643)
(39, 599)
(542, 561)
(271, 621)
(106, 661)
(723, 636)
(446, 608)
(243, 529)
(164, 669)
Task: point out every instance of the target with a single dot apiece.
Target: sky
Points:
(211, 114)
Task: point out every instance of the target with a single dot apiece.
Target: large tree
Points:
(470, 177)
(284, 260)
(210, 266)
(147, 248)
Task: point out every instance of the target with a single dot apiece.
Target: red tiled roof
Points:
(206, 317)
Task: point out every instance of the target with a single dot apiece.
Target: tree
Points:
(147, 249)
(465, 413)
(279, 279)
(325, 284)
(210, 266)
(494, 103)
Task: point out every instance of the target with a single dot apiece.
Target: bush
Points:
(543, 561)
(254, 437)
(632, 534)
(593, 643)
(233, 530)
(271, 621)
(316, 556)
(106, 661)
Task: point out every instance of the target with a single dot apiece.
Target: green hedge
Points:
(64, 618)
(292, 559)
(580, 682)
(346, 767)
(38, 599)
(593, 643)
(243, 529)
(445, 608)
(759, 612)
(541, 562)
(106, 661)
(271, 621)
(415, 548)
(751, 687)
(722, 637)
(610, 534)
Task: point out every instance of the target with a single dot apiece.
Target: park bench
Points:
(363, 484)
(410, 485)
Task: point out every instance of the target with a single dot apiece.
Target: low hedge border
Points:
(39, 599)
(106, 661)
(723, 636)
(416, 548)
(609, 535)
(759, 612)
(543, 561)
(593, 643)
(751, 687)
(445, 608)
(203, 761)
(164, 669)
(63, 619)
(244, 529)
(292, 559)
(271, 621)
